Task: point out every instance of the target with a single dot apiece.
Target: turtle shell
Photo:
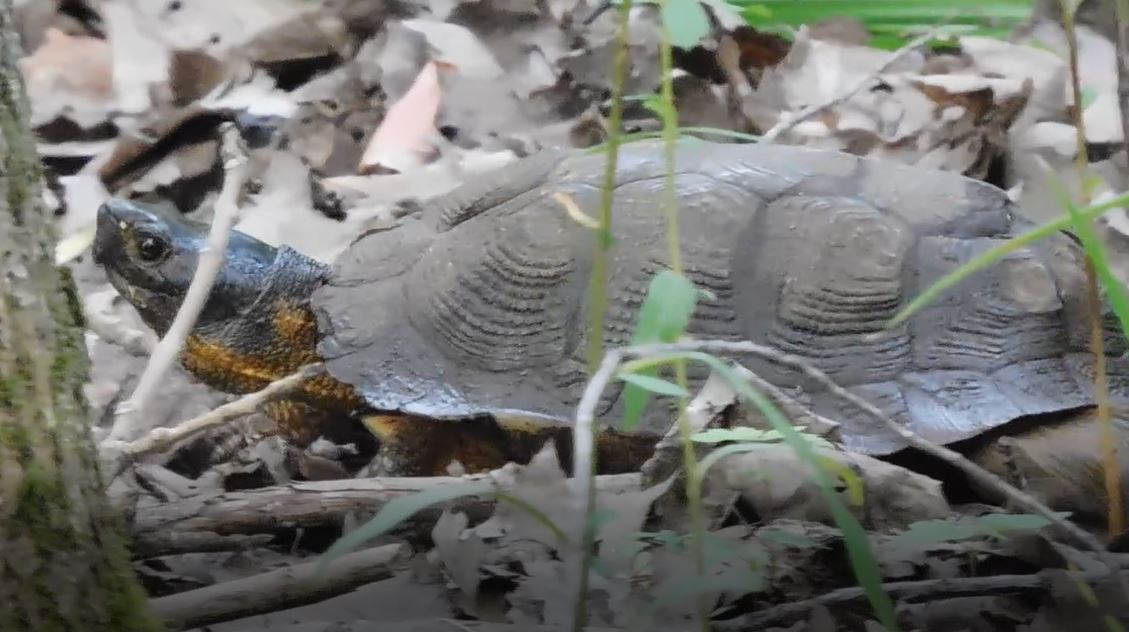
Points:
(478, 303)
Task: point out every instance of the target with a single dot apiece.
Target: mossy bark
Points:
(63, 562)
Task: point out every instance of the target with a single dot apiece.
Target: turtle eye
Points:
(151, 248)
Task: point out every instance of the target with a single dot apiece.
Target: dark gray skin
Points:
(150, 256)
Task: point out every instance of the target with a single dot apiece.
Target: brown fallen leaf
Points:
(76, 62)
(759, 50)
(72, 74)
(402, 140)
(193, 74)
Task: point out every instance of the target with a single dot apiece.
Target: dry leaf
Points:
(777, 484)
(70, 76)
(403, 140)
(462, 556)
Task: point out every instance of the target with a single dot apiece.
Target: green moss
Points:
(8, 393)
(15, 439)
(42, 507)
(126, 603)
(19, 162)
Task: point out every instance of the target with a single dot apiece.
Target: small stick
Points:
(926, 589)
(211, 259)
(1093, 300)
(787, 124)
(121, 454)
(289, 587)
(583, 441)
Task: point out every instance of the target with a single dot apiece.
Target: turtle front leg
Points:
(301, 423)
(417, 446)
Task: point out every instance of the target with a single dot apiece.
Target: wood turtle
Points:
(470, 315)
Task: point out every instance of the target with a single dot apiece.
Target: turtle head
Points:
(151, 256)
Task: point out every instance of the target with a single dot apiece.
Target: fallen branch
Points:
(585, 418)
(428, 625)
(788, 123)
(160, 544)
(306, 504)
(275, 590)
(130, 412)
(923, 590)
(118, 455)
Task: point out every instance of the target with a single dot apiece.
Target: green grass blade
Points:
(862, 560)
(718, 454)
(654, 384)
(797, 12)
(992, 255)
(1096, 252)
(686, 22)
(890, 22)
(398, 510)
(670, 302)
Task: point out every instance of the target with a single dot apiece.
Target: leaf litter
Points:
(374, 107)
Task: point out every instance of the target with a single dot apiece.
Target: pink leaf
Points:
(402, 141)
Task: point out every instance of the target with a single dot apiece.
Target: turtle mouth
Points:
(124, 287)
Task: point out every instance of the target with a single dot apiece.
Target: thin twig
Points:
(673, 246)
(584, 439)
(1093, 299)
(585, 418)
(121, 454)
(211, 260)
(788, 123)
(925, 589)
(275, 590)
(597, 301)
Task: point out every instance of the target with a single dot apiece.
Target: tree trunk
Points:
(63, 562)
